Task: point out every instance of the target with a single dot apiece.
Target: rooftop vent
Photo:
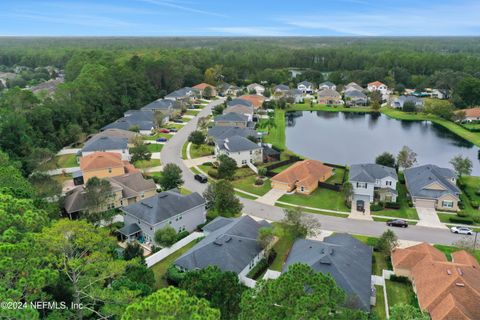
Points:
(331, 251)
(449, 272)
(460, 284)
(460, 272)
(325, 260)
(146, 205)
(228, 239)
(163, 195)
(217, 242)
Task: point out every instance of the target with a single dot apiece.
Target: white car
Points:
(461, 230)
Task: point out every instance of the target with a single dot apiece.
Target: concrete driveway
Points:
(428, 218)
(271, 196)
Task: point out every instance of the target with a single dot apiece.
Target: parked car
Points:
(161, 140)
(461, 230)
(178, 121)
(173, 130)
(164, 130)
(397, 223)
(201, 178)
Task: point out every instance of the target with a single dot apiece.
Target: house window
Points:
(142, 195)
(109, 170)
(447, 204)
(244, 161)
(169, 222)
(377, 181)
(302, 188)
(251, 152)
(121, 203)
(388, 183)
(362, 185)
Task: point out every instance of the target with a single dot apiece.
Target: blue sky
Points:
(239, 18)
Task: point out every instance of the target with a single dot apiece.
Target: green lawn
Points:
(326, 213)
(243, 195)
(398, 292)
(200, 150)
(184, 150)
(379, 308)
(248, 184)
(160, 268)
(192, 112)
(471, 126)
(280, 169)
(405, 211)
(173, 125)
(282, 248)
(63, 161)
(472, 184)
(158, 135)
(448, 250)
(337, 177)
(142, 164)
(276, 133)
(153, 147)
(320, 198)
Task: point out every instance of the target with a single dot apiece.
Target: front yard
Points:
(154, 147)
(143, 164)
(405, 211)
(63, 161)
(248, 184)
(202, 150)
(321, 198)
(158, 135)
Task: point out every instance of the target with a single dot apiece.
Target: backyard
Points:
(400, 292)
(379, 308)
(63, 161)
(282, 248)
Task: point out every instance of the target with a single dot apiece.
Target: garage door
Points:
(423, 203)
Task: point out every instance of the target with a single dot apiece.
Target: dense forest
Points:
(107, 76)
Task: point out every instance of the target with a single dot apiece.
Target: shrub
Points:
(392, 205)
(376, 206)
(181, 235)
(259, 182)
(474, 204)
(262, 171)
(461, 220)
(208, 164)
(476, 219)
(261, 266)
(174, 276)
(477, 192)
(400, 279)
(462, 214)
(410, 203)
(461, 205)
(213, 173)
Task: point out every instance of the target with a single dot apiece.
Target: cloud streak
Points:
(176, 5)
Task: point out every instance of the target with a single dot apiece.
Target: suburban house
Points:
(280, 89)
(106, 144)
(258, 88)
(240, 109)
(240, 149)
(400, 101)
(353, 86)
(373, 181)
(226, 89)
(144, 121)
(166, 107)
(355, 98)
(472, 114)
(305, 87)
(255, 99)
(430, 186)
(169, 208)
(201, 89)
(116, 133)
(327, 85)
(230, 244)
(377, 86)
(239, 101)
(303, 176)
(445, 289)
(269, 153)
(231, 119)
(126, 189)
(104, 165)
(183, 94)
(295, 95)
(345, 258)
(329, 96)
(223, 132)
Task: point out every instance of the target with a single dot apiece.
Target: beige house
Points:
(104, 165)
(329, 96)
(303, 177)
(202, 86)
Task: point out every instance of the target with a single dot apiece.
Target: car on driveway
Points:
(201, 178)
(161, 140)
(397, 223)
(178, 121)
(461, 230)
(173, 130)
(164, 131)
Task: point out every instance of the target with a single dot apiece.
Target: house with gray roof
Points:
(116, 133)
(141, 119)
(345, 258)
(168, 208)
(400, 101)
(372, 181)
(305, 87)
(240, 149)
(165, 106)
(227, 89)
(430, 186)
(183, 94)
(106, 144)
(223, 132)
(281, 88)
(231, 119)
(241, 109)
(238, 101)
(327, 85)
(230, 244)
(295, 95)
(353, 86)
(258, 88)
(355, 98)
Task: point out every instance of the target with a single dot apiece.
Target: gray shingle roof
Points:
(230, 246)
(115, 133)
(222, 132)
(355, 94)
(133, 184)
(161, 104)
(106, 143)
(353, 86)
(369, 172)
(163, 206)
(231, 116)
(237, 144)
(346, 259)
(129, 229)
(418, 178)
(281, 87)
(306, 83)
(327, 83)
(237, 101)
(126, 123)
(328, 93)
(180, 93)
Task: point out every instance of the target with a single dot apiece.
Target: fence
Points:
(271, 167)
(165, 252)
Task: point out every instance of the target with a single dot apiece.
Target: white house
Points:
(258, 88)
(377, 86)
(106, 144)
(305, 87)
(240, 149)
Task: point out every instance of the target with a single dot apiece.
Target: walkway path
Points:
(198, 161)
(68, 151)
(271, 196)
(429, 218)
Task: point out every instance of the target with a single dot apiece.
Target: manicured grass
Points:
(185, 191)
(158, 135)
(185, 119)
(280, 169)
(471, 126)
(405, 211)
(379, 308)
(195, 170)
(398, 292)
(322, 107)
(154, 147)
(192, 112)
(184, 150)
(448, 250)
(63, 161)
(325, 213)
(248, 184)
(282, 248)
(160, 268)
(320, 198)
(245, 196)
(142, 164)
(337, 177)
(173, 125)
(472, 184)
(276, 134)
(200, 150)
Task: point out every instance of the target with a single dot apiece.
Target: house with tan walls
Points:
(303, 177)
(202, 86)
(104, 165)
(329, 96)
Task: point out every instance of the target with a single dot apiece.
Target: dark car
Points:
(397, 223)
(201, 178)
(173, 130)
(178, 121)
(161, 140)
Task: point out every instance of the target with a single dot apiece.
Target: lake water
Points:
(349, 138)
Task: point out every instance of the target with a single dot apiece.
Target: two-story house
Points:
(329, 96)
(104, 165)
(373, 181)
(377, 86)
(106, 144)
(327, 85)
(258, 88)
(240, 149)
(305, 87)
(231, 119)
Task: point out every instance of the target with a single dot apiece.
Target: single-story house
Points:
(223, 132)
(303, 176)
(226, 89)
(230, 244)
(445, 289)
(280, 88)
(472, 114)
(377, 86)
(353, 86)
(400, 101)
(258, 88)
(116, 133)
(305, 87)
(295, 95)
(142, 120)
(201, 89)
(183, 94)
(327, 85)
(345, 258)
(240, 109)
(355, 98)
(240, 149)
(255, 99)
(104, 165)
(126, 189)
(231, 119)
(329, 96)
(106, 144)
(169, 208)
(433, 187)
(370, 181)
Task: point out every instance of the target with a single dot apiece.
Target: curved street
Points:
(171, 153)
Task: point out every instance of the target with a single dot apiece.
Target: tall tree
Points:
(226, 167)
(197, 137)
(406, 157)
(220, 197)
(171, 177)
(387, 242)
(97, 192)
(386, 159)
(300, 224)
(462, 165)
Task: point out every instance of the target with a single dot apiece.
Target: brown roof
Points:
(376, 84)
(447, 290)
(255, 99)
(305, 172)
(203, 85)
(103, 160)
(472, 112)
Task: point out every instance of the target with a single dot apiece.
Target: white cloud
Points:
(252, 31)
(179, 6)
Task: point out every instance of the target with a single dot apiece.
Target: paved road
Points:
(171, 153)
